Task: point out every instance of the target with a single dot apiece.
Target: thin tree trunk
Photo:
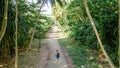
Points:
(16, 32)
(34, 29)
(29, 47)
(4, 22)
(119, 32)
(97, 35)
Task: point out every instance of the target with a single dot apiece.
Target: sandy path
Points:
(52, 46)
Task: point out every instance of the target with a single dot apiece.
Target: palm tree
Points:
(58, 11)
(97, 35)
(4, 22)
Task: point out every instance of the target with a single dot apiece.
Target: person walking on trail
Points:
(57, 55)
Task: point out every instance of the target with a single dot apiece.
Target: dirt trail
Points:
(53, 44)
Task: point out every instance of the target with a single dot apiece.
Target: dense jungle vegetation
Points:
(30, 21)
(76, 24)
(21, 22)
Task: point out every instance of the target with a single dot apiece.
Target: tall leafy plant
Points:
(97, 35)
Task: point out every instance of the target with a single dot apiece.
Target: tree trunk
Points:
(16, 32)
(29, 45)
(119, 32)
(97, 35)
(4, 22)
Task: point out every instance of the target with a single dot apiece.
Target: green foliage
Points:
(60, 2)
(43, 27)
(105, 15)
(81, 56)
(27, 20)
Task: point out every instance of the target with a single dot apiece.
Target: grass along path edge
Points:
(82, 56)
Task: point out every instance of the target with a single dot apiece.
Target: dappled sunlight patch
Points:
(82, 66)
(100, 66)
(54, 61)
(66, 54)
(35, 49)
(91, 58)
(93, 63)
(68, 46)
(87, 50)
(43, 20)
(1, 66)
(55, 33)
(65, 66)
